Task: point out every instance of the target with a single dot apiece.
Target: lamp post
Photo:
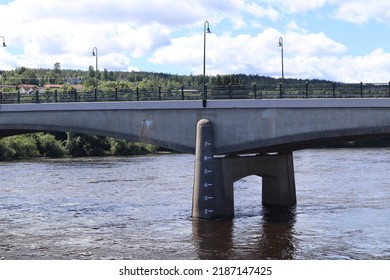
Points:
(95, 53)
(205, 31)
(281, 48)
(4, 45)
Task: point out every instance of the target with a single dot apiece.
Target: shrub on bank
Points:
(6, 151)
(120, 147)
(17, 147)
(49, 146)
(75, 145)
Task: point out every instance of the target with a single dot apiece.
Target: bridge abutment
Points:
(213, 194)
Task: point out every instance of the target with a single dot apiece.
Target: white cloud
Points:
(353, 11)
(246, 53)
(262, 12)
(170, 34)
(373, 67)
(225, 54)
(43, 30)
(361, 11)
(312, 44)
(296, 6)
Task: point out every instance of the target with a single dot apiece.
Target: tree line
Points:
(124, 80)
(60, 144)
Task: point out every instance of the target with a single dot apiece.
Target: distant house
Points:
(77, 87)
(51, 86)
(27, 89)
(73, 81)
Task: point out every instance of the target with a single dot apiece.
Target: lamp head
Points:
(280, 42)
(4, 45)
(207, 27)
(93, 53)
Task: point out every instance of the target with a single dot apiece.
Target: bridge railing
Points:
(253, 91)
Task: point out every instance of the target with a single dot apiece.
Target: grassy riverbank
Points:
(58, 145)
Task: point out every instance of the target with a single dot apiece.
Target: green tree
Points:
(91, 72)
(6, 151)
(48, 146)
(105, 75)
(21, 146)
(80, 145)
(67, 89)
(120, 147)
(89, 84)
(57, 68)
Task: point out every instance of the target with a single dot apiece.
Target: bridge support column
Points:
(210, 200)
(277, 171)
(213, 196)
(279, 182)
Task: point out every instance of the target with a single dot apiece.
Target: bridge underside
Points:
(277, 145)
(312, 142)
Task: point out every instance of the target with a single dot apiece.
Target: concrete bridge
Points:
(231, 139)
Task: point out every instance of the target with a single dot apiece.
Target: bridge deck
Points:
(197, 104)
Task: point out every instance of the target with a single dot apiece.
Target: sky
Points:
(339, 40)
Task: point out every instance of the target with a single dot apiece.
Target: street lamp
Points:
(281, 48)
(95, 53)
(4, 45)
(205, 31)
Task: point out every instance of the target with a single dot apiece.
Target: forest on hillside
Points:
(123, 80)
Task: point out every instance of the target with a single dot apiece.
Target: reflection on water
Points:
(273, 238)
(277, 238)
(213, 239)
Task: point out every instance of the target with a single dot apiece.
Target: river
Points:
(140, 207)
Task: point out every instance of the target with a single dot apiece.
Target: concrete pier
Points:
(208, 201)
(213, 194)
(276, 170)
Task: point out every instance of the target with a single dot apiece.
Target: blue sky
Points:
(337, 40)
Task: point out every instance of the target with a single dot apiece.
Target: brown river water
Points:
(140, 208)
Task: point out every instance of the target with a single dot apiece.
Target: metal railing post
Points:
(307, 89)
(182, 92)
(361, 89)
(137, 90)
(230, 91)
(280, 90)
(55, 96)
(389, 89)
(334, 89)
(159, 93)
(204, 101)
(255, 90)
(116, 94)
(95, 94)
(18, 96)
(1, 97)
(37, 96)
(75, 96)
